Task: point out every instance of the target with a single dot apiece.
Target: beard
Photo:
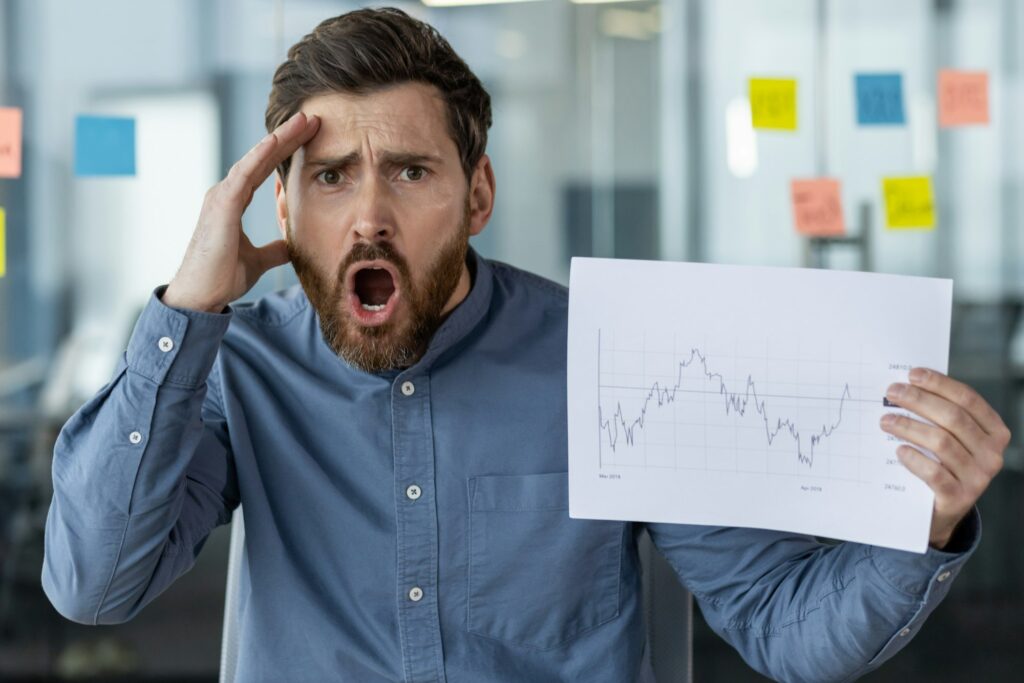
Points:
(403, 339)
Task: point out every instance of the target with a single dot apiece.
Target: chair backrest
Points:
(668, 609)
(229, 638)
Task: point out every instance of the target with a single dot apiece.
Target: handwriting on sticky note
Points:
(10, 142)
(3, 242)
(104, 145)
(879, 99)
(963, 98)
(909, 202)
(817, 207)
(773, 103)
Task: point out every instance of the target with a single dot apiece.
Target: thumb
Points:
(273, 254)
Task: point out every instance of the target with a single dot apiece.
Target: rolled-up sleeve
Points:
(800, 610)
(141, 473)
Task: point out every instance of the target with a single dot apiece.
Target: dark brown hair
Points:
(370, 49)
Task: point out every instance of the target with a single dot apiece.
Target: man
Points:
(396, 428)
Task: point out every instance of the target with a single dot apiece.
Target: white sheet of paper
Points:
(748, 396)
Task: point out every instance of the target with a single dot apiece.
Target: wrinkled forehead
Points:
(408, 118)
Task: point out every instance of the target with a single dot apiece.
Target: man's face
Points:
(377, 214)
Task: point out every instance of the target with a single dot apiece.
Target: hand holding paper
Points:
(965, 433)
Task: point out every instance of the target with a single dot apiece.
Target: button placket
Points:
(418, 550)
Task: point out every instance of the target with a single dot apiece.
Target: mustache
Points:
(382, 251)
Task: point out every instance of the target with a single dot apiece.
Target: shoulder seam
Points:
(278, 320)
(536, 279)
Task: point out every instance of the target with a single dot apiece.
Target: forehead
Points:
(410, 117)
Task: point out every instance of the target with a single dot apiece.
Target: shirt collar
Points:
(464, 317)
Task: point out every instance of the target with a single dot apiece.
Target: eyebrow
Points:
(387, 159)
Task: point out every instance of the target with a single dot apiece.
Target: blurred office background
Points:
(621, 129)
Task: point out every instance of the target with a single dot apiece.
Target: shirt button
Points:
(408, 388)
(135, 437)
(416, 594)
(165, 344)
(904, 633)
(413, 492)
(942, 577)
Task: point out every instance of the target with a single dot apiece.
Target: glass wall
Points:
(620, 129)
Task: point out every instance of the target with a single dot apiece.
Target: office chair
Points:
(668, 609)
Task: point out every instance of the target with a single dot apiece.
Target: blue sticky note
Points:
(104, 145)
(879, 99)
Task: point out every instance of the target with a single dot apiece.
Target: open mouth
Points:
(373, 291)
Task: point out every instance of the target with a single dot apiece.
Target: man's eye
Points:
(330, 177)
(414, 173)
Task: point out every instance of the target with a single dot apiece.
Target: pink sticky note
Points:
(963, 97)
(10, 142)
(817, 208)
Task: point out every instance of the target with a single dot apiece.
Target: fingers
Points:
(289, 140)
(951, 453)
(985, 448)
(249, 172)
(942, 412)
(962, 395)
(938, 478)
(953, 498)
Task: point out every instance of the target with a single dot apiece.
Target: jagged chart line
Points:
(734, 402)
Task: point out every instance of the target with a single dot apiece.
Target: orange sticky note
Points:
(10, 142)
(963, 98)
(3, 242)
(909, 202)
(817, 208)
(773, 103)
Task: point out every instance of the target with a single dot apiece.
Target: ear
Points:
(282, 206)
(481, 195)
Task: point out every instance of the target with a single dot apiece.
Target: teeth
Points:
(371, 307)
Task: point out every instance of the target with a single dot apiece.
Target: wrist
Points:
(175, 299)
(958, 538)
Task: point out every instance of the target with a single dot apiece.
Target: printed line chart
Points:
(756, 425)
(747, 396)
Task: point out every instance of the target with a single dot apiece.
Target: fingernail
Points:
(895, 390)
(918, 374)
(888, 420)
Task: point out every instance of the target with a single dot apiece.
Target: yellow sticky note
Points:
(909, 202)
(773, 103)
(3, 242)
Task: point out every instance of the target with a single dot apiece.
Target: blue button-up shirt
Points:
(413, 525)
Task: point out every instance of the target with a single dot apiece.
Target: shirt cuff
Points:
(914, 573)
(174, 344)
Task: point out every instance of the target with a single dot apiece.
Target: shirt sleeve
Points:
(800, 610)
(141, 473)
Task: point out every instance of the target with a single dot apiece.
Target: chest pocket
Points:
(538, 578)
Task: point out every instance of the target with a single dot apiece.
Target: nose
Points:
(374, 217)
